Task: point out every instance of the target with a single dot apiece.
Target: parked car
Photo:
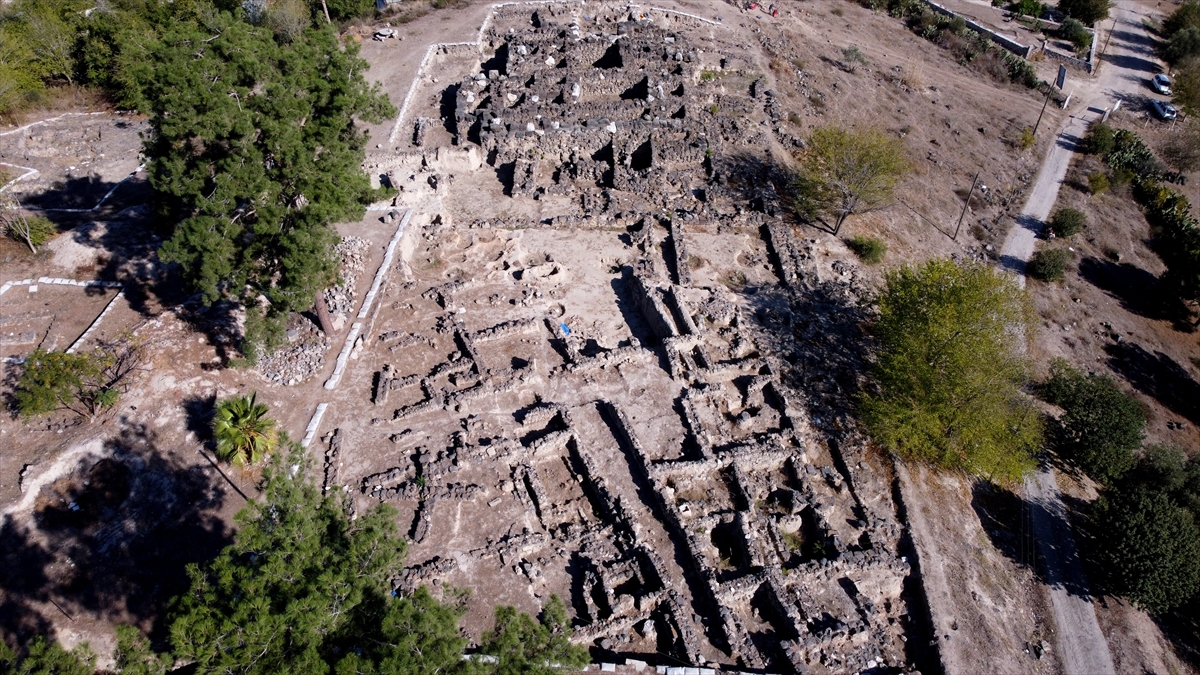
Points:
(1163, 109)
(1161, 83)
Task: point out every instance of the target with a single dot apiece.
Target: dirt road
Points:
(1128, 60)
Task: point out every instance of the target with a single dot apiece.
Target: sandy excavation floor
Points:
(602, 364)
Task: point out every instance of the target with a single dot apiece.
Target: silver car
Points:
(1161, 83)
(1163, 109)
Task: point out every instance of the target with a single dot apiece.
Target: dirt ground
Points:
(72, 488)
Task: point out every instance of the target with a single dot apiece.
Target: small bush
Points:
(1067, 222)
(1074, 31)
(869, 249)
(1049, 265)
(1027, 138)
(836, 11)
(1121, 177)
(1029, 8)
(1100, 140)
(1097, 182)
(852, 58)
(32, 232)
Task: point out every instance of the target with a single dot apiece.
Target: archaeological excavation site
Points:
(571, 300)
(586, 380)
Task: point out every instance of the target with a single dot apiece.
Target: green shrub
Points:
(1097, 182)
(82, 383)
(32, 232)
(1067, 222)
(1048, 265)
(1027, 139)
(1101, 425)
(869, 249)
(1074, 32)
(1150, 547)
(1029, 8)
(1099, 140)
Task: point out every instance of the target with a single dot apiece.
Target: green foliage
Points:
(1183, 45)
(342, 10)
(1067, 222)
(1049, 265)
(852, 58)
(1129, 151)
(1101, 425)
(244, 433)
(1027, 139)
(1100, 140)
(1020, 71)
(524, 646)
(1086, 11)
(254, 147)
(950, 368)
(1076, 33)
(870, 249)
(33, 232)
(47, 657)
(1150, 546)
(1187, 15)
(82, 383)
(304, 590)
(134, 656)
(1177, 235)
(1029, 8)
(1186, 85)
(1097, 182)
(843, 172)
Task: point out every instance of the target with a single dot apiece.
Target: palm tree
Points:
(245, 435)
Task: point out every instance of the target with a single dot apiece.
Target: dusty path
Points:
(1082, 647)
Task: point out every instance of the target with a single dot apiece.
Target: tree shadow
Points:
(1135, 288)
(1157, 376)
(1009, 520)
(756, 179)
(110, 539)
(117, 221)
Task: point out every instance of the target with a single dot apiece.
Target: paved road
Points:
(1129, 61)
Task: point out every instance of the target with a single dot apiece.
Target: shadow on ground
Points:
(110, 539)
(1157, 376)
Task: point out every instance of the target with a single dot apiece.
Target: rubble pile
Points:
(340, 299)
(300, 359)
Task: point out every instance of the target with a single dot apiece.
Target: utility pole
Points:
(1039, 122)
(965, 206)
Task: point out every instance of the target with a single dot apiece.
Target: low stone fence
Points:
(1023, 51)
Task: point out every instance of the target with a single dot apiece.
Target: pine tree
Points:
(255, 151)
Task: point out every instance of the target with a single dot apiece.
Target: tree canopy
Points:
(524, 646)
(255, 149)
(1086, 11)
(304, 589)
(949, 371)
(1150, 546)
(244, 433)
(1101, 425)
(843, 172)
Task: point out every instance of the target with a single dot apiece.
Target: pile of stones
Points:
(300, 359)
(341, 299)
